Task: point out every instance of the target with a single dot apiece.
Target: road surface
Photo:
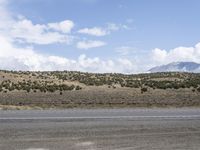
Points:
(101, 129)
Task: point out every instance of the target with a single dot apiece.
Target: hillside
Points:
(77, 89)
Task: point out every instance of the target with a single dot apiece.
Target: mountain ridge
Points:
(177, 67)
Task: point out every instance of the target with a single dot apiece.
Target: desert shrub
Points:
(28, 90)
(51, 88)
(144, 89)
(198, 89)
(11, 88)
(78, 87)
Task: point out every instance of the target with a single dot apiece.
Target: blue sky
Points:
(128, 36)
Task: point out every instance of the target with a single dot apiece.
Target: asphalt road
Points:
(101, 129)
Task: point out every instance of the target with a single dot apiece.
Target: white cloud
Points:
(177, 54)
(111, 65)
(96, 31)
(64, 26)
(90, 44)
(126, 65)
(16, 58)
(102, 31)
(25, 31)
(159, 55)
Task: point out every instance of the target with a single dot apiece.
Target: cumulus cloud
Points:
(90, 44)
(111, 65)
(25, 31)
(64, 26)
(159, 55)
(20, 29)
(16, 58)
(177, 54)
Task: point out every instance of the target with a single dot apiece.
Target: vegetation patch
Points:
(68, 89)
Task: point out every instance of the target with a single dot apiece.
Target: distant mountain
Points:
(177, 67)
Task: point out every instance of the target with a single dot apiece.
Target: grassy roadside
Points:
(13, 107)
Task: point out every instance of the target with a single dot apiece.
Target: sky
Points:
(123, 36)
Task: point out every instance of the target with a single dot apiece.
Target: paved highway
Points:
(100, 129)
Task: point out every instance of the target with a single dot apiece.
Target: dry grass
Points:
(94, 96)
(14, 107)
(103, 97)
